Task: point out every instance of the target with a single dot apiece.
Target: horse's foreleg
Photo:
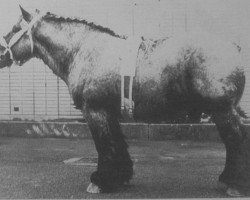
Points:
(114, 164)
(236, 174)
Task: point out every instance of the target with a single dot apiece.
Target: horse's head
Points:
(17, 46)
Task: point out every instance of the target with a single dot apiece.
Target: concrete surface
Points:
(60, 168)
(142, 131)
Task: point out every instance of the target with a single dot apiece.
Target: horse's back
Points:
(192, 69)
(219, 58)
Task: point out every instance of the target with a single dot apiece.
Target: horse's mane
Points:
(83, 21)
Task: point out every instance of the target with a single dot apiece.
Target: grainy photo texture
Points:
(160, 76)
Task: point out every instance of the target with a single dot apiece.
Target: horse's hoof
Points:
(232, 192)
(126, 183)
(222, 185)
(93, 189)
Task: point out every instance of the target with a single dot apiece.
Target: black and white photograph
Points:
(124, 99)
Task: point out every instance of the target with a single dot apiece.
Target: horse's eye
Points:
(15, 29)
(2, 57)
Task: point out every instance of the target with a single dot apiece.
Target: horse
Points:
(189, 75)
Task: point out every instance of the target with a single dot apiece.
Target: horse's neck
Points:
(58, 45)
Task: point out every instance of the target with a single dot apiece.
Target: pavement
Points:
(60, 168)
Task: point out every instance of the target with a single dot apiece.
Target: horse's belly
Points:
(157, 102)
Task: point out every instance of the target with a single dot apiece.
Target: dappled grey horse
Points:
(192, 75)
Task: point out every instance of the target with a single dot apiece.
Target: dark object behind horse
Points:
(188, 75)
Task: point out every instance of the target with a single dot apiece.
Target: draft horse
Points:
(190, 74)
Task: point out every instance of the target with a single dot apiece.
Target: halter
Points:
(18, 36)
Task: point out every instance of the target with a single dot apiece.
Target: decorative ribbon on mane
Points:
(18, 36)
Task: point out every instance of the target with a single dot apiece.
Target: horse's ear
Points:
(37, 11)
(26, 16)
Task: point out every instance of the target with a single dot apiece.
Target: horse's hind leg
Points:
(236, 174)
(114, 164)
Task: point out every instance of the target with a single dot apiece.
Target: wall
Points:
(33, 92)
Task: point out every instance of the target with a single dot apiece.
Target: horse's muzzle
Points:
(5, 60)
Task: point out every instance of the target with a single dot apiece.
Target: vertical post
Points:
(21, 72)
(58, 107)
(122, 92)
(133, 18)
(10, 92)
(186, 28)
(130, 94)
(34, 100)
(46, 95)
(172, 20)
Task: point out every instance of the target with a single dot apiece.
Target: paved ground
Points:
(44, 168)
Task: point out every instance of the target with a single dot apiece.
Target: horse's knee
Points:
(230, 127)
(114, 164)
(236, 172)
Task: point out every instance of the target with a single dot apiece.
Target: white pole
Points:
(130, 94)
(122, 92)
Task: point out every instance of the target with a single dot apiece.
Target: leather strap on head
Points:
(7, 48)
(18, 36)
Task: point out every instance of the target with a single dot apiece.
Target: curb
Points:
(199, 132)
(140, 131)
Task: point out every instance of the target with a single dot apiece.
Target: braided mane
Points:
(83, 21)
